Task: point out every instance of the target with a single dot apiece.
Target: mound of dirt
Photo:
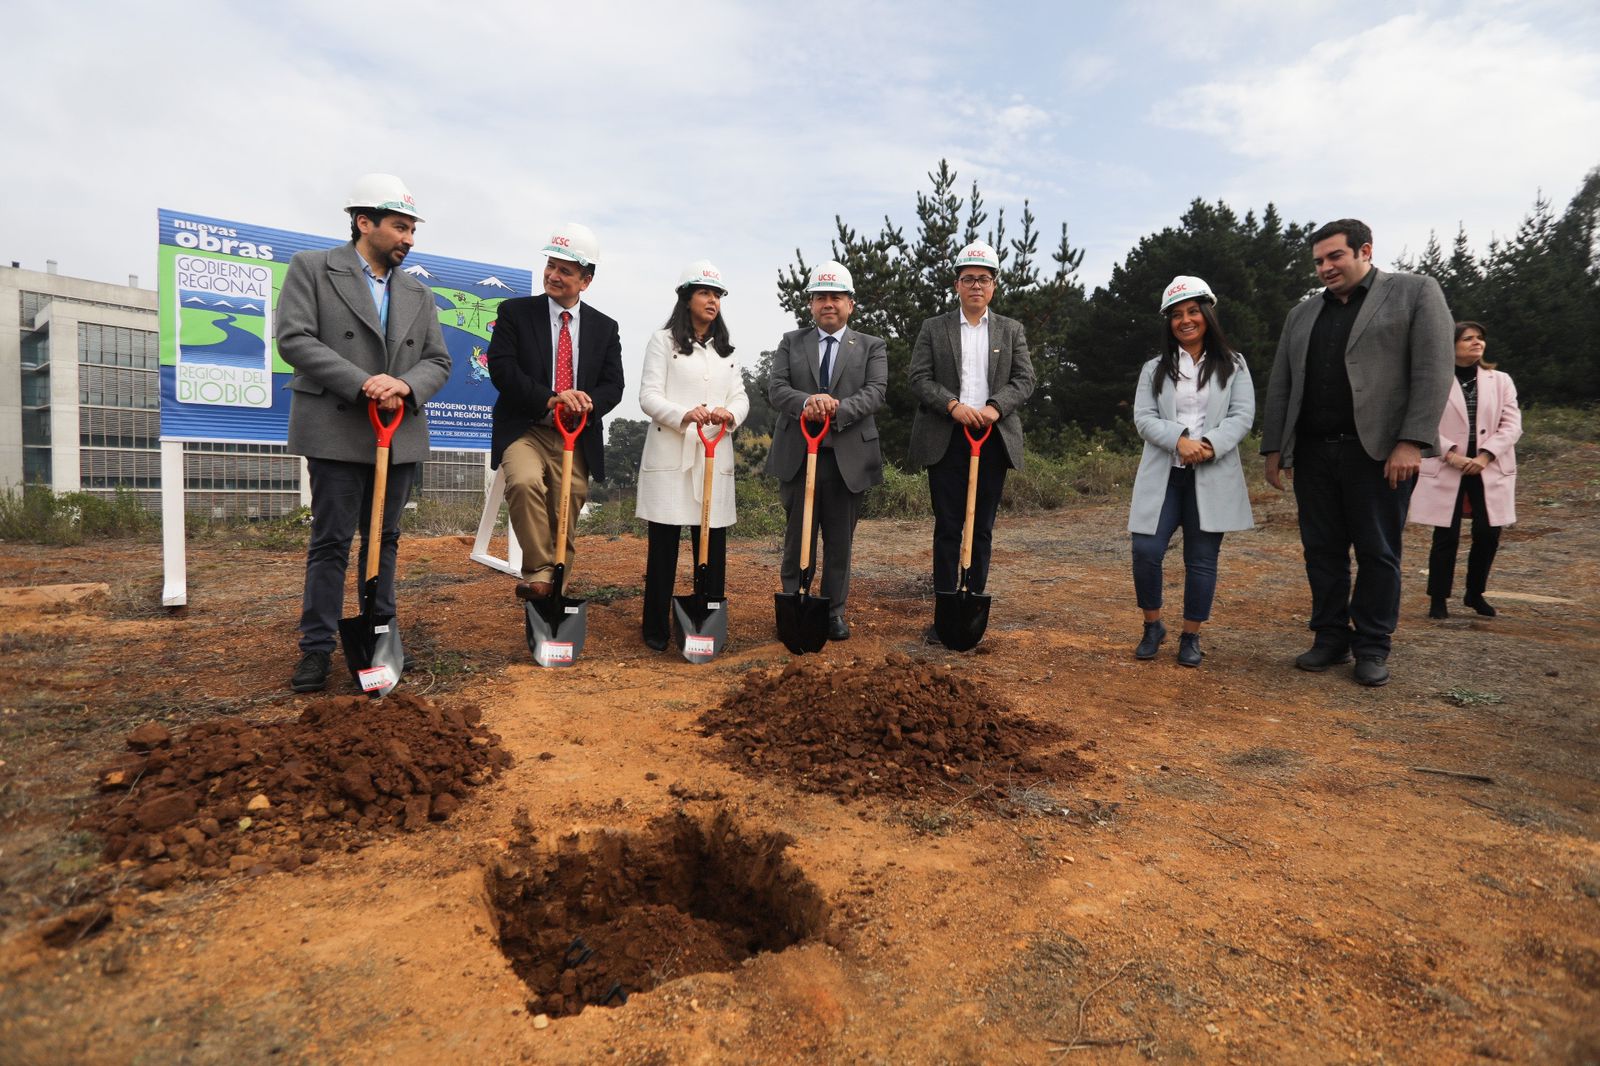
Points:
(896, 726)
(230, 796)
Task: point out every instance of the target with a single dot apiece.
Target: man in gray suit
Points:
(827, 370)
(356, 329)
(1359, 382)
(969, 370)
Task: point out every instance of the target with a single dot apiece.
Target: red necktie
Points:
(564, 355)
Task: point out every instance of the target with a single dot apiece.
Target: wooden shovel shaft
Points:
(705, 513)
(380, 487)
(805, 528)
(561, 511)
(972, 510)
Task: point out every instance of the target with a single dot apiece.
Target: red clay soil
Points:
(231, 796)
(895, 726)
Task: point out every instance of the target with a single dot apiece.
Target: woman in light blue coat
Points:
(1194, 404)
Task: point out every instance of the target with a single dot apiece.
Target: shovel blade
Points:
(556, 628)
(373, 652)
(960, 618)
(700, 626)
(802, 621)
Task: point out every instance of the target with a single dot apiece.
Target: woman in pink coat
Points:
(1477, 464)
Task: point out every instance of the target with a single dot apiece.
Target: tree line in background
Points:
(1537, 294)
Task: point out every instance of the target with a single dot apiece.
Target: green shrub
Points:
(37, 514)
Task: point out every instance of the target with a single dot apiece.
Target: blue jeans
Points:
(1200, 550)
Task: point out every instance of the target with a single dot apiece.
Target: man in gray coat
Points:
(969, 370)
(357, 330)
(1360, 379)
(828, 370)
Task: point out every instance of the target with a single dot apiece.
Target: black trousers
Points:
(947, 489)
(661, 572)
(1446, 539)
(341, 503)
(1345, 502)
(836, 511)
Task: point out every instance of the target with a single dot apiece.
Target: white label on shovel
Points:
(380, 629)
(558, 651)
(571, 610)
(699, 645)
(376, 677)
(713, 606)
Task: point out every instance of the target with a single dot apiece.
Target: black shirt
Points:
(1468, 377)
(1328, 408)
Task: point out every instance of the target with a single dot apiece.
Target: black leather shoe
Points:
(1438, 609)
(1476, 601)
(1154, 634)
(1189, 653)
(408, 665)
(312, 673)
(837, 629)
(1372, 671)
(655, 642)
(931, 636)
(1320, 657)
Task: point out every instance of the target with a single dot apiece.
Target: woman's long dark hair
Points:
(681, 323)
(1219, 366)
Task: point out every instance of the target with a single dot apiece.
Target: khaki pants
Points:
(532, 466)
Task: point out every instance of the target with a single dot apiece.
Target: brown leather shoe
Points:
(534, 590)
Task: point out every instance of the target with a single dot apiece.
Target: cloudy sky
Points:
(737, 131)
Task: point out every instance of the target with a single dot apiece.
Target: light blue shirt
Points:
(379, 287)
(822, 349)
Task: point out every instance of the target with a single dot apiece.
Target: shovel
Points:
(700, 623)
(556, 625)
(960, 617)
(802, 617)
(371, 641)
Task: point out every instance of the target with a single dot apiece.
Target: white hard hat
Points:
(575, 243)
(384, 192)
(702, 273)
(978, 254)
(831, 276)
(1185, 287)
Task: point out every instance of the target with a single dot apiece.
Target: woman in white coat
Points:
(1194, 404)
(690, 379)
(1477, 464)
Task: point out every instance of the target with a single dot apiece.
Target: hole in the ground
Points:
(594, 917)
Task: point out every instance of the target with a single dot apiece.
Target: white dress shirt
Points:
(822, 349)
(975, 361)
(1190, 401)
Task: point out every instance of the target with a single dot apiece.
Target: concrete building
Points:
(80, 408)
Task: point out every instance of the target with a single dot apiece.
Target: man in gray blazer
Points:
(827, 369)
(1359, 382)
(356, 329)
(969, 370)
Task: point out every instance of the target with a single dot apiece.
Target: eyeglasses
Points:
(975, 281)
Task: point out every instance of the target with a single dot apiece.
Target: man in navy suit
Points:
(548, 350)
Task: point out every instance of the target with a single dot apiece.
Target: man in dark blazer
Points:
(827, 369)
(1360, 379)
(969, 370)
(356, 328)
(548, 350)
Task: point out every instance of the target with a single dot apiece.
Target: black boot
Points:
(1438, 608)
(1154, 634)
(1476, 601)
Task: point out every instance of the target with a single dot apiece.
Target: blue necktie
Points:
(827, 362)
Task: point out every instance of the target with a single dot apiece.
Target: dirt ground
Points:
(1249, 864)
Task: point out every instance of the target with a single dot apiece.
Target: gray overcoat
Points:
(327, 329)
(935, 379)
(1219, 486)
(1400, 358)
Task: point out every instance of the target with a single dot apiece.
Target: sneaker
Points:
(1320, 657)
(1189, 653)
(1371, 671)
(312, 673)
(1154, 634)
(1476, 601)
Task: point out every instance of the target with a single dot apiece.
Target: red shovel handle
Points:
(571, 438)
(711, 443)
(977, 442)
(385, 430)
(812, 443)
